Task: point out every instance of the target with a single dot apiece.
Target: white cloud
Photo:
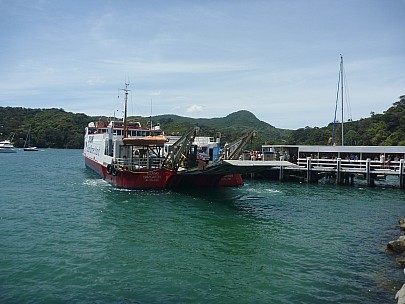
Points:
(193, 109)
(94, 80)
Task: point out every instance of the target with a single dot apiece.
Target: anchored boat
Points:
(27, 144)
(6, 146)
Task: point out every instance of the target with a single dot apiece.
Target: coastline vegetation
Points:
(56, 128)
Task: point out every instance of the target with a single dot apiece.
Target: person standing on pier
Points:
(382, 161)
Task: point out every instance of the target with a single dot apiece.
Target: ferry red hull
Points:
(210, 181)
(148, 179)
(160, 178)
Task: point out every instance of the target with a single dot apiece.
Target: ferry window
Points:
(147, 133)
(143, 133)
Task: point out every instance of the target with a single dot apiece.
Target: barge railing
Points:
(139, 163)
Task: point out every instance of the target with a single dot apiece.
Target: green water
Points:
(68, 237)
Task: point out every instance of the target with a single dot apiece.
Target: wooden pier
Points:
(345, 171)
(323, 164)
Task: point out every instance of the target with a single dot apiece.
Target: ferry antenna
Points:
(126, 90)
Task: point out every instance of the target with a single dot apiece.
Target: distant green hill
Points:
(55, 128)
(230, 128)
(50, 128)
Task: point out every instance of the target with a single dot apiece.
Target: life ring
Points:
(109, 169)
(114, 171)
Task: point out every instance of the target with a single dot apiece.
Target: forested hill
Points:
(387, 129)
(56, 128)
(230, 128)
(50, 128)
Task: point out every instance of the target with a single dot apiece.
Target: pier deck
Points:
(312, 170)
(340, 162)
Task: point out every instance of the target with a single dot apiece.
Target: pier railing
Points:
(325, 163)
(345, 168)
(360, 166)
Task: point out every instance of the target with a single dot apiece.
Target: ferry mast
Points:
(125, 108)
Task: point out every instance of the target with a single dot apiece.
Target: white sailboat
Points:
(28, 140)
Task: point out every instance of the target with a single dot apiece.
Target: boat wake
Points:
(95, 182)
(265, 191)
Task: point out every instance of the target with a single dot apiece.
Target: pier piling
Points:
(309, 166)
(339, 175)
(368, 172)
(281, 174)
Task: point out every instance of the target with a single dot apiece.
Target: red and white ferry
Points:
(132, 161)
(137, 160)
(131, 156)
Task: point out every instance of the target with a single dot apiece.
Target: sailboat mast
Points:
(125, 109)
(341, 86)
(28, 138)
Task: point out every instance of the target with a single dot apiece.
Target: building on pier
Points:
(271, 152)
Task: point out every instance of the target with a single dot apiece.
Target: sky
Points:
(278, 59)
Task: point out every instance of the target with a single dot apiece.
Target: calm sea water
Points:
(68, 237)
